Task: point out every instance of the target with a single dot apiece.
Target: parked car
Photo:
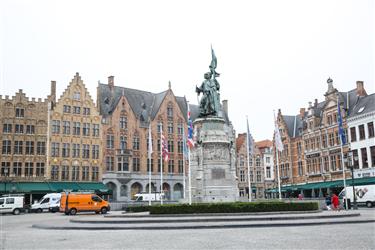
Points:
(49, 202)
(148, 196)
(12, 204)
(71, 203)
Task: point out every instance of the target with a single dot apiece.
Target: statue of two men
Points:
(210, 102)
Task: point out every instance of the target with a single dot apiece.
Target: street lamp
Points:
(351, 166)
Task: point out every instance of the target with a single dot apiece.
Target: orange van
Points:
(71, 203)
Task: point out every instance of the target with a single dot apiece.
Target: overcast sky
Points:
(271, 54)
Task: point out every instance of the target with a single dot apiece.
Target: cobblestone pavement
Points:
(16, 233)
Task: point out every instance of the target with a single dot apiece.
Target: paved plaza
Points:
(17, 233)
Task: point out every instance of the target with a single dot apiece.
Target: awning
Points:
(98, 187)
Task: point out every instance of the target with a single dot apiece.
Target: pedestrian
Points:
(335, 202)
(300, 197)
(328, 202)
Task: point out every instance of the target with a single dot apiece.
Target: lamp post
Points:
(351, 166)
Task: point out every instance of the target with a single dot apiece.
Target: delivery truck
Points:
(365, 194)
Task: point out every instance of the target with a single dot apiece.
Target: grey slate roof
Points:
(143, 103)
(368, 102)
(294, 125)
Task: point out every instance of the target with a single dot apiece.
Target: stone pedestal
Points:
(213, 171)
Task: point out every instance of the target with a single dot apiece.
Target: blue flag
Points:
(341, 129)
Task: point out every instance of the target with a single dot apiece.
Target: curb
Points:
(203, 226)
(195, 219)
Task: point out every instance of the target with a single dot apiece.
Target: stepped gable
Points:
(264, 144)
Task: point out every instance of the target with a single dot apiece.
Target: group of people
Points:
(333, 202)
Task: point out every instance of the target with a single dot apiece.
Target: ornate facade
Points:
(75, 152)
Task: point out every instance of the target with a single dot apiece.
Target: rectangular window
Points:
(40, 169)
(123, 122)
(353, 134)
(180, 166)
(242, 161)
(355, 158)
(300, 168)
(136, 143)
(372, 153)
(19, 129)
(95, 130)
(171, 166)
(159, 145)
(170, 128)
(122, 163)
(30, 129)
(86, 151)
(159, 165)
(7, 128)
(76, 96)
(66, 150)
(324, 141)
(75, 173)
(66, 127)
(86, 129)
(180, 129)
(135, 164)
(326, 164)
(64, 173)
(257, 161)
(86, 111)
(268, 172)
(95, 173)
(18, 147)
(55, 173)
(55, 126)
(148, 165)
(331, 139)
(333, 162)
(95, 151)
(76, 128)
(85, 173)
(17, 168)
(259, 176)
(180, 147)
(109, 163)
(29, 147)
(337, 138)
(110, 141)
(5, 168)
(20, 112)
(66, 109)
(55, 149)
(268, 160)
(76, 110)
(364, 157)
(29, 169)
(7, 147)
(242, 175)
(170, 146)
(370, 128)
(362, 132)
(76, 149)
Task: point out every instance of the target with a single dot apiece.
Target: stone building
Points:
(127, 114)
(311, 162)
(265, 150)
(75, 152)
(23, 138)
(257, 167)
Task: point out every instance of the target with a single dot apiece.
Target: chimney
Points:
(225, 106)
(111, 81)
(53, 92)
(360, 89)
(302, 112)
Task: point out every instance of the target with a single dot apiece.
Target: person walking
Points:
(335, 202)
(328, 202)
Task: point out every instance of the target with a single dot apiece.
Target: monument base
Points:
(212, 162)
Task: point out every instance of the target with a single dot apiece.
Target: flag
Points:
(149, 142)
(339, 120)
(164, 148)
(278, 142)
(250, 144)
(184, 146)
(190, 141)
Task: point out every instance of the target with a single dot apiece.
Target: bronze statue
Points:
(210, 101)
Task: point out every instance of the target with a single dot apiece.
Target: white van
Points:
(148, 196)
(49, 202)
(365, 195)
(12, 204)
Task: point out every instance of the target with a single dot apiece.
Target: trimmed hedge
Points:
(236, 207)
(137, 209)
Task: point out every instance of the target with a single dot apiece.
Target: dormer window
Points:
(170, 111)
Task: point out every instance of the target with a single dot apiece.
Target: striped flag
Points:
(184, 146)
(190, 141)
(164, 148)
(341, 129)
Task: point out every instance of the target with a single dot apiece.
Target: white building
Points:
(361, 135)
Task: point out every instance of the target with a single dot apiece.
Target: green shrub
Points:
(237, 207)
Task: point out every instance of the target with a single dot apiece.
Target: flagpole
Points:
(248, 160)
(183, 162)
(161, 164)
(342, 155)
(149, 163)
(277, 158)
(189, 172)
